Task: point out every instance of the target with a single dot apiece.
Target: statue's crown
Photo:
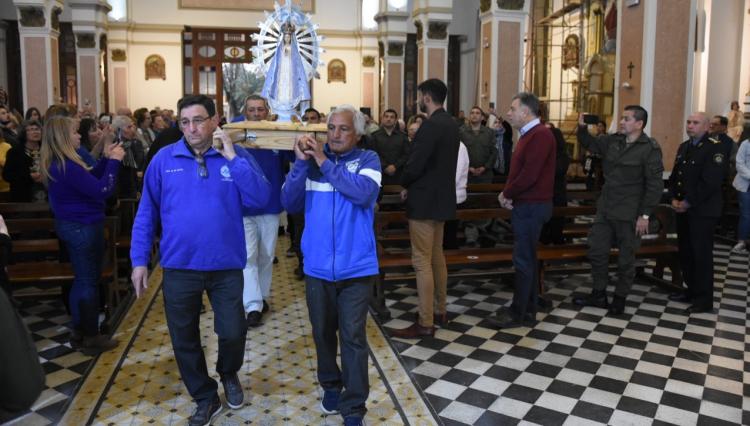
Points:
(287, 27)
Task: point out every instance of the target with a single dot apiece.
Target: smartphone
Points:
(590, 119)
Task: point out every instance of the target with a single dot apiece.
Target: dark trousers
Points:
(527, 221)
(297, 222)
(183, 293)
(695, 239)
(341, 306)
(85, 246)
(603, 234)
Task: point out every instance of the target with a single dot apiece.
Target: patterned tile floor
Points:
(654, 365)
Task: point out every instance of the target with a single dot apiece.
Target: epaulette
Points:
(714, 140)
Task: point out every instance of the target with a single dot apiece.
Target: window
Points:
(119, 10)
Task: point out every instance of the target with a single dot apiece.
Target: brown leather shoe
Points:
(440, 319)
(414, 331)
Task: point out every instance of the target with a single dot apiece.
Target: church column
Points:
(501, 47)
(661, 83)
(431, 18)
(38, 29)
(391, 42)
(89, 24)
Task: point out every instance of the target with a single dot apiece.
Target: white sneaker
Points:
(740, 248)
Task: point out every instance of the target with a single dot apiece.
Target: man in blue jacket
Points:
(196, 193)
(337, 185)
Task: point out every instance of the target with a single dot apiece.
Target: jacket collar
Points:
(180, 149)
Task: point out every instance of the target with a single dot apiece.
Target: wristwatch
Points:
(644, 216)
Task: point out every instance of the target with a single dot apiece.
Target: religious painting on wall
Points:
(156, 67)
(262, 5)
(336, 71)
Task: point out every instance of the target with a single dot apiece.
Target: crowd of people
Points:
(82, 164)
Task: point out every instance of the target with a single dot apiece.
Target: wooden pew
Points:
(660, 248)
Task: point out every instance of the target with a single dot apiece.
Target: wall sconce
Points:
(485, 42)
(627, 86)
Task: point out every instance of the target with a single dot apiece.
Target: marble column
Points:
(391, 41)
(89, 25)
(660, 82)
(39, 24)
(501, 49)
(432, 17)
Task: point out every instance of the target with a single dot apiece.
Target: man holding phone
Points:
(633, 185)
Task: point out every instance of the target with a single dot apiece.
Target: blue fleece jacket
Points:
(338, 199)
(200, 217)
(272, 163)
(78, 195)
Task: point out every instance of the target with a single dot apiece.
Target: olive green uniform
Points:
(633, 186)
(482, 151)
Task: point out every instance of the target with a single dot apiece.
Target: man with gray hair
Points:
(133, 165)
(528, 194)
(337, 185)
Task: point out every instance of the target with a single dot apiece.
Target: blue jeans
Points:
(183, 293)
(527, 221)
(743, 227)
(85, 245)
(341, 306)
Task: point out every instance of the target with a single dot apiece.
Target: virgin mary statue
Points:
(286, 82)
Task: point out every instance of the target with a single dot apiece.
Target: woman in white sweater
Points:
(742, 184)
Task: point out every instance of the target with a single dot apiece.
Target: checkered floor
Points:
(47, 320)
(653, 365)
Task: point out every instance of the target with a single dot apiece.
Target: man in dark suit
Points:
(528, 193)
(695, 187)
(430, 181)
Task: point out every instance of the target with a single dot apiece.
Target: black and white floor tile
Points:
(578, 366)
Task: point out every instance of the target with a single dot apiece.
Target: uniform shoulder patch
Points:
(719, 158)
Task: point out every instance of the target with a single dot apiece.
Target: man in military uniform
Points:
(632, 165)
(480, 143)
(695, 186)
(392, 146)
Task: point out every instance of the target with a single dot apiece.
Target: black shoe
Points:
(275, 260)
(94, 345)
(617, 307)
(679, 297)
(266, 308)
(205, 412)
(290, 252)
(76, 339)
(699, 309)
(233, 391)
(596, 298)
(505, 318)
(299, 273)
(254, 319)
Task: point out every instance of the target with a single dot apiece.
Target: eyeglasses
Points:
(202, 169)
(197, 122)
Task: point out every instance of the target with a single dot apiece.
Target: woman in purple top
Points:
(77, 194)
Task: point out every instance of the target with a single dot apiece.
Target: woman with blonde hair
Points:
(77, 194)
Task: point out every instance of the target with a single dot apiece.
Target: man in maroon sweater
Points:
(528, 193)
